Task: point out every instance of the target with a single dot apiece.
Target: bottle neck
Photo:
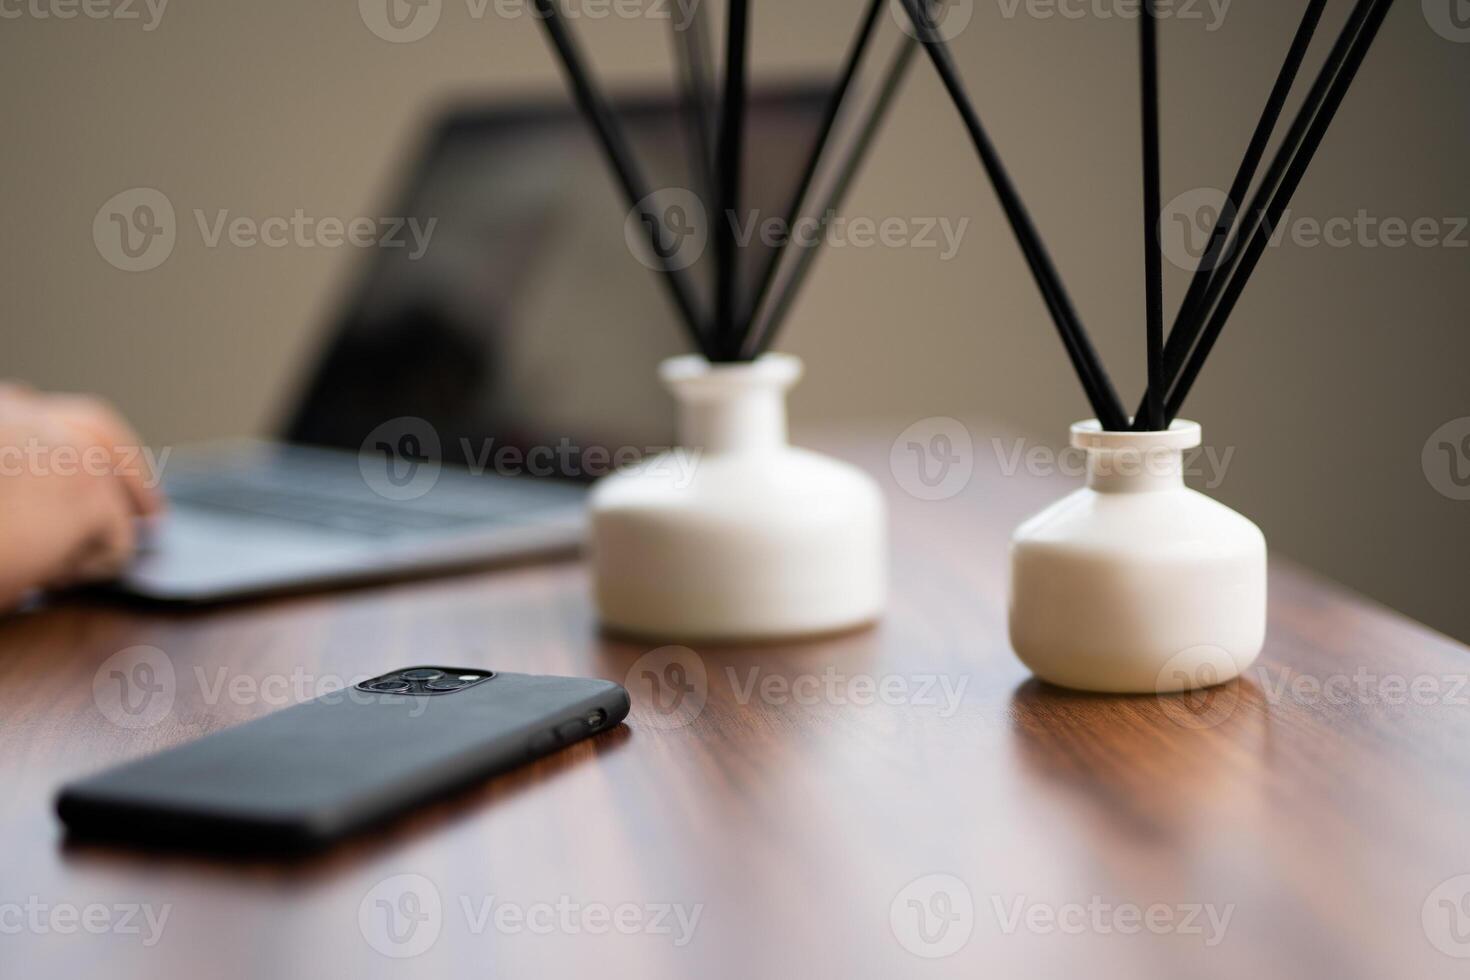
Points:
(1135, 471)
(737, 422)
(729, 408)
(1135, 462)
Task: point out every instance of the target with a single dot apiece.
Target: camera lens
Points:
(446, 684)
(388, 686)
(422, 674)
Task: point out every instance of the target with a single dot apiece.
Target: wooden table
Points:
(850, 807)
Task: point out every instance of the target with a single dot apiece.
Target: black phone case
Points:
(315, 772)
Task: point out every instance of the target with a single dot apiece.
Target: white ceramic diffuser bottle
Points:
(754, 540)
(1136, 583)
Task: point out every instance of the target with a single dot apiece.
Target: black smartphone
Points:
(316, 772)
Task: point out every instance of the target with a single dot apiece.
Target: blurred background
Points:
(1343, 365)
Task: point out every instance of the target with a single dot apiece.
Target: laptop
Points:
(477, 376)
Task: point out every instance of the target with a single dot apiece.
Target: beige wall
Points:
(1339, 364)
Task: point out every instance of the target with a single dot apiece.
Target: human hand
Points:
(72, 485)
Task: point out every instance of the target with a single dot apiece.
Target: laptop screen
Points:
(514, 313)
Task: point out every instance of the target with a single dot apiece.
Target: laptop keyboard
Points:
(335, 498)
(378, 520)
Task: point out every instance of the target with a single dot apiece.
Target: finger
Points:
(110, 546)
(100, 421)
(16, 390)
(17, 401)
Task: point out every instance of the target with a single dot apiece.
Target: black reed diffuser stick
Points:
(726, 332)
(1255, 215)
(830, 113)
(690, 34)
(763, 333)
(1085, 362)
(1255, 152)
(728, 160)
(620, 157)
(1367, 17)
(1173, 365)
(1148, 35)
(1187, 322)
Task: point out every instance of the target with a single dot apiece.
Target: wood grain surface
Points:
(902, 801)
